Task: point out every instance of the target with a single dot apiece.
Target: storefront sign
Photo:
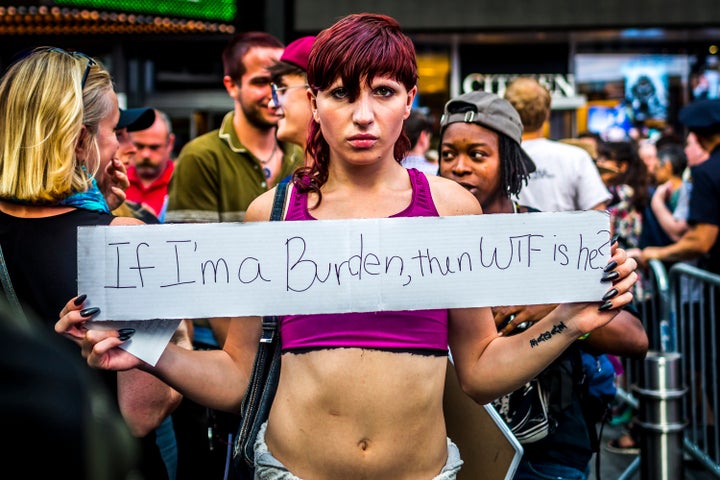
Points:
(561, 86)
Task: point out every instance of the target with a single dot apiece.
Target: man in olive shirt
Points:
(219, 173)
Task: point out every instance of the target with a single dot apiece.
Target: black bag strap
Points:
(279, 201)
(263, 379)
(269, 324)
(9, 290)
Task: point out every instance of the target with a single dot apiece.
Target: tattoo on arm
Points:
(548, 334)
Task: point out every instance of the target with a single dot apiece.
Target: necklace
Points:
(266, 170)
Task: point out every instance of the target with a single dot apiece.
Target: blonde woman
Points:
(58, 116)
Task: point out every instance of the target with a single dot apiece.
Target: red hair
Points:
(358, 47)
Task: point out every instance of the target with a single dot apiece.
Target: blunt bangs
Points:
(355, 54)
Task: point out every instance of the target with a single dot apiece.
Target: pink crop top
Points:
(409, 330)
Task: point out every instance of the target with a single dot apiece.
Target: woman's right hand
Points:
(621, 274)
(99, 346)
(114, 182)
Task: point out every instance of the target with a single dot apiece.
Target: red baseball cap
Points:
(297, 52)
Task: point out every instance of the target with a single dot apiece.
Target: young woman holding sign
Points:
(360, 394)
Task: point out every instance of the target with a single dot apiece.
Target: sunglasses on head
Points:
(79, 55)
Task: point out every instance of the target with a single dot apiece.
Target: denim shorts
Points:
(268, 467)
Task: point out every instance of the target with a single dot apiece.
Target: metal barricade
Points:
(653, 304)
(694, 298)
(660, 417)
(654, 307)
(679, 310)
(652, 300)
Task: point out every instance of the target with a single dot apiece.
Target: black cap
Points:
(701, 115)
(135, 119)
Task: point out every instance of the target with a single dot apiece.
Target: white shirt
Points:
(566, 178)
(421, 163)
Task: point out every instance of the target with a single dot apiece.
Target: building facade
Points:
(609, 64)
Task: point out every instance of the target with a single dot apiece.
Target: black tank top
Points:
(41, 256)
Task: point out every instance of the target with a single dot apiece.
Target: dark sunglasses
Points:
(80, 55)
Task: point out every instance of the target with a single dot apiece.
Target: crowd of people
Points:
(334, 116)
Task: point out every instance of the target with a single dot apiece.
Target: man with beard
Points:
(219, 173)
(153, 167)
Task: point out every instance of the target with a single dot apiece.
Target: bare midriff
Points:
(355, 413)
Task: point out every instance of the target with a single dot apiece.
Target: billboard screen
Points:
(223, 10)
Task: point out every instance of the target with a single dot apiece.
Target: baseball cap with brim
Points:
(490, 111)
(298, 52)
(135, 119)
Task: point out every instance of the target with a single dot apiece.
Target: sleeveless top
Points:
(416, 330)
(41, 256)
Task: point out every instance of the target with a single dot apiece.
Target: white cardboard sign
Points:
(177, 271)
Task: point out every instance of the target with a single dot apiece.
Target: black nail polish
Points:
(615, 238)
(610, 294)
(605, 306)
(608, 277)
(125, 333)
(89, 312)
(126, 336)
(79, 300)
(610, 266)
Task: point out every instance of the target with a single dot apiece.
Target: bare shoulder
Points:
(260, 208)
(451, 198)
(126, 221)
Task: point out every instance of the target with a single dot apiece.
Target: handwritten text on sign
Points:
(231, 269)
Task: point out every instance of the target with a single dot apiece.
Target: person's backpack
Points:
(531, 410)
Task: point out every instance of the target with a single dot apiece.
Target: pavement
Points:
(614, 466)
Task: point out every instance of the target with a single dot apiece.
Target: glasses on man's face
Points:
(278, 93)
(90, 62)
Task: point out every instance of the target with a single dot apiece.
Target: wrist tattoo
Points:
(556, 329)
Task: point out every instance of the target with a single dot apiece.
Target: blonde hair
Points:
(43, 107)
(532, 101)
